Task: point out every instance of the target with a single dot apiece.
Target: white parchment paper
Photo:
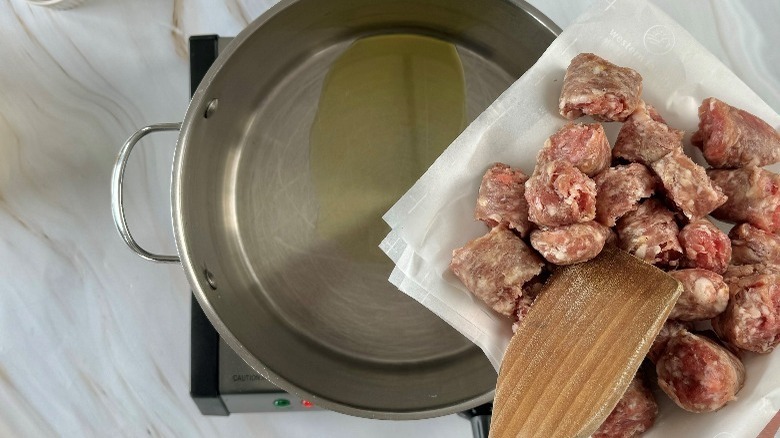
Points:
(436, 214)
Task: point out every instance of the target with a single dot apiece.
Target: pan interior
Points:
(390, 104)
(330, 288)
(301, 305)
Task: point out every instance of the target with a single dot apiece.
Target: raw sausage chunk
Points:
(730, 137)
(698, 374)
(633, 415)
(753, 196)
(619, 190)
(494, 268)
(584, 146)
(669, 329)
(643, 139)
(502, 198)
(559, 194)
(705, 246)
(650, 234)
(735, 273)
(704, 296)
(531, 291)
(751, 321)
(753, 245)
(570, 244)
(522, 307)
(596, 87)
(654, 114)
(688, 186)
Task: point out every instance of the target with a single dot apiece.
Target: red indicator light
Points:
(306, 403)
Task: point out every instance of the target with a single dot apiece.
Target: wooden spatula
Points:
(580, 345)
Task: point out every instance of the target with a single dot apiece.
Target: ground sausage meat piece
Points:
(502, 199)
(494, 268)
(753, 245)
(596, 87)
(619, 190)
(570, 244)
(531, 291)
(633, 415)
(753, 196)
(704, 296)
(730, 137)
(669, 329)
(612, 238)
(650, 234)
(751, 321)
(654, 114)
(736, 272)
(642, 139)
(688, 186)
(584, 146)
(522, 308)
(705, 246)
(559, 194)
(698, 374)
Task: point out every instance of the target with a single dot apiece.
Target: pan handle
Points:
(117, 191)
(479, 417)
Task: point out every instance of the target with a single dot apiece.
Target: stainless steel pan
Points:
(315, 323)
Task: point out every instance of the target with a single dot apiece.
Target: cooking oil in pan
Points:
(389, 106)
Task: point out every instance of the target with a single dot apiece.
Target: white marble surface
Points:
(95, 341)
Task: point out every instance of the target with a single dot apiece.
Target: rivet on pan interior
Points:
(211, 108)
(210, 279)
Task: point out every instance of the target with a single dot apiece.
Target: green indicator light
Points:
(281, 402)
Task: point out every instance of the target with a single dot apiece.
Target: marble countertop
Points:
(95, 341)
